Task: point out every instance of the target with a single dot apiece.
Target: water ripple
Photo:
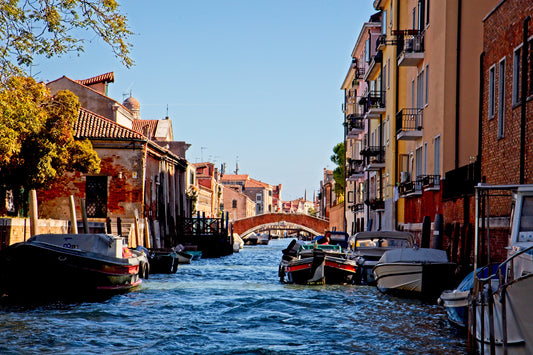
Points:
(232, 305)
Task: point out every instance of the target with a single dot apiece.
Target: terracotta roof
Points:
(145, 127)
(257, 183)
(91, 125)
(235, 177)
(104, 78)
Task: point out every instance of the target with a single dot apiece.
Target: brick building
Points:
(137, 173)
(507, 106)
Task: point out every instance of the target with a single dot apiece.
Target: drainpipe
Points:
(457, 81)
(345, 145)
(394, 140)
(525, 52)
(480, 109)
(381, 146)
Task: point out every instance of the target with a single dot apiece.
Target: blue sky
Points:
(253, 80)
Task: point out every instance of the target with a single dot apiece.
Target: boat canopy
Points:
(96, 243)
(414, 255)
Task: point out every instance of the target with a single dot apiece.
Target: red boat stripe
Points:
(340, 266)
(298, 267)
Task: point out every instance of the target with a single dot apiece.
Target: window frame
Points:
(492, 92)
(501, 98)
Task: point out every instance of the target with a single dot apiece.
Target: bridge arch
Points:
(313, 225)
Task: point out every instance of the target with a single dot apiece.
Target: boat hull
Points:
(519, 316)
(319, 269)
(27, 268)
(456, 305)
(417, 279)
(163, 261)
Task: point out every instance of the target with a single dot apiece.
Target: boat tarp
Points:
(414, 255)
(96, 243)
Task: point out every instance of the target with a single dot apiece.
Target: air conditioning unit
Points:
(404, 176)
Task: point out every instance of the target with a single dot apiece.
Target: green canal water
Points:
(232, 305)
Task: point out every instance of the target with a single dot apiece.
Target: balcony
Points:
(375, 158)
(376, 204)
(410, 48)
(354, 169)
(355, 124)
(374, 66)
(410, 188)
(430, 182)
(358, 207)
(409, 123)
(374, 103)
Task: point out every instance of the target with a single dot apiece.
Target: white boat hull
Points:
(519, 319)
(425, 280)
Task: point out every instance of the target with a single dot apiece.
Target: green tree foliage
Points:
(30, 28)
(338, 174)
(37, 145)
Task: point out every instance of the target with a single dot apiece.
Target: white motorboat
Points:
(422, 272)
(368, 247)
(503, 308)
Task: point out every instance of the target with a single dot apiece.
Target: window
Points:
(384, 23)
(425, 158)
(516, 75)
(427, 12)
(388, 73)
(436, 158)
(501, 99)
(258, 197)
(367, 50)
(420, 90)
(421, 13)
(418, 161)
(234, 204)
(413, 94)
(385, 75)
(427, 84)
(492, 91)
(414, 18)
(96, 196)
(530, 66)
(387, 130)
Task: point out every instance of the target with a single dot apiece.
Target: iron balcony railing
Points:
(373, 151)
(410, 41)
(409, 119)
(431, 181)
(410, 187)
(358, 207)
(373, 99)
(355, 121)
(376, 204)
(353, 167)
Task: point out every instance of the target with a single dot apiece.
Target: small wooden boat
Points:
(70, 265)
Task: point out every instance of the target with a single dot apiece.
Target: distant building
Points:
(210, 191)
(237, 204)
(259, 192)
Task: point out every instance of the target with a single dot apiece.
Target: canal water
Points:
(232, 305)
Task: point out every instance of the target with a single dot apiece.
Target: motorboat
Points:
(369, 246)
(315, 264)
(238, 243)
(503, 318)
(163, 261)
(456, 301)
(420, 272)
(71, 265)
(250, 239)
(263, 239)
(181, 255)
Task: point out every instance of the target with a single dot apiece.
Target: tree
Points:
(338, 173)
(37, 145)
(30, 28)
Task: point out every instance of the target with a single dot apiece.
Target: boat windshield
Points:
(383, 243)
(321, 246)
(526, 220)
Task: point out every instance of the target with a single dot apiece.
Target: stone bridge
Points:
(313, 225)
